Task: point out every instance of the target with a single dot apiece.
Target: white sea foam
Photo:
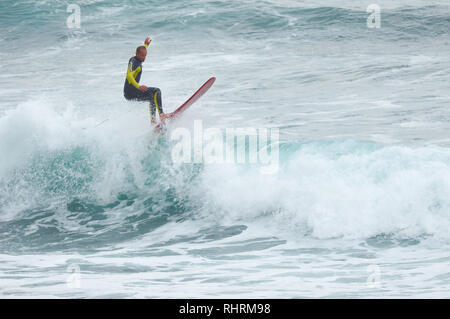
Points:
(364, 150)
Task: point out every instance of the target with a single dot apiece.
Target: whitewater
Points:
(92, 204)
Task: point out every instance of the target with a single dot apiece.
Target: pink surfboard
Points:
(198, 94)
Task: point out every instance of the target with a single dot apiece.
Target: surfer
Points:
(133, 91)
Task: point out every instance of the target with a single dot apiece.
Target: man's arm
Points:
(131, 75)
(146, 43)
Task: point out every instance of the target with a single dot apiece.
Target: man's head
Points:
(141, 53)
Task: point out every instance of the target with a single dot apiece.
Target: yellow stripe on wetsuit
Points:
(131, 75)
(157, 106)
(156, 102)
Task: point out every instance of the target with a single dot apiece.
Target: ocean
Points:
(93, 203)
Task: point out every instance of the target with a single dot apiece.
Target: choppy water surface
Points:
(360, 205)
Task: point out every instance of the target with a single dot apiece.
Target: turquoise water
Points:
(360, 205)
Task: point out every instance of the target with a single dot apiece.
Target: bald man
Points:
(133, 91)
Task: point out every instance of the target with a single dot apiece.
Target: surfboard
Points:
(183, 107)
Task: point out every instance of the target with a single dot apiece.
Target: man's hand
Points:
(163, 116)
(147, 41)
(143, 88)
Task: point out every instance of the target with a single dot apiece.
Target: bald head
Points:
(141, 53)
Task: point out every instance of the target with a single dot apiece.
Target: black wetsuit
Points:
(131, 91)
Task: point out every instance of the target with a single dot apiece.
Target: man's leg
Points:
(152, 109)
(154, 97)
